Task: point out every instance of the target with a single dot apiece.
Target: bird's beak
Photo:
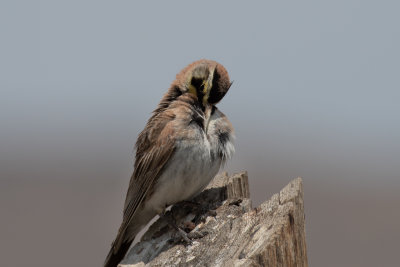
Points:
(208, 82)
(206, 93)
(208, 85)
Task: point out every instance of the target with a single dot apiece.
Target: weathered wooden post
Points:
(228, 231)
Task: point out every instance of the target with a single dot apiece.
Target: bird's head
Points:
(207, 80)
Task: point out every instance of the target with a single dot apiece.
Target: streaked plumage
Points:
(180, 150)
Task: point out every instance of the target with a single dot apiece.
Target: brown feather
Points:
(156, 145)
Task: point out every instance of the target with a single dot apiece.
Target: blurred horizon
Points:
(315, 95)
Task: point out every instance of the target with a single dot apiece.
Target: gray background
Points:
(315, 94)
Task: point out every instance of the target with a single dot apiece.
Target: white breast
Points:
(191, 168)
(188, 172)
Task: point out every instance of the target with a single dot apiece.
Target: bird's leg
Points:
(200, 210)
(171, 221)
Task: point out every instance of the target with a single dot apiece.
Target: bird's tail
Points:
(115, 255)
(125, 237)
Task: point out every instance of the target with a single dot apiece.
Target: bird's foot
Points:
(184, 236)
(201, 211)
(181, 232)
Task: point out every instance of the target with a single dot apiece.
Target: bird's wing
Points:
(155, 146)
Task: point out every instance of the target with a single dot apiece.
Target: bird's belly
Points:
(188, 172)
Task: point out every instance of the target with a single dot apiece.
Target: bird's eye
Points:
(197, 83)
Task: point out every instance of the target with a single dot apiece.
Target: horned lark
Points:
(180, 150)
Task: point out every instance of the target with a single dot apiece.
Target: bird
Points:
(182, 147)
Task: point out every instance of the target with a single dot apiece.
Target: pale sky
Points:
(316, 85)
(315, 94)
